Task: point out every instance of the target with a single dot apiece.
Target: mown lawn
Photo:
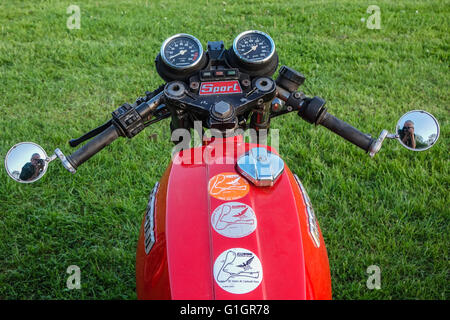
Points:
(55, 84)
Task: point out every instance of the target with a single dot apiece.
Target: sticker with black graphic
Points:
(238, 271)
(234, 219)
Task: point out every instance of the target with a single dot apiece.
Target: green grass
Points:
(55, 84)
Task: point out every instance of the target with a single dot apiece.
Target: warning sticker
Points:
(228, 186)
(234, 220)
(238, 271)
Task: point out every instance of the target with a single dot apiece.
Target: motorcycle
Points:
(228, 219)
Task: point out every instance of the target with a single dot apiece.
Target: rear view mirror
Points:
(26, 162)
(417, 130)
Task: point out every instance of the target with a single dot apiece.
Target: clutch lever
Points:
(90, 134)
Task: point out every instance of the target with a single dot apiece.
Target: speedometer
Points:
(181, 51)
(254, 47)
(253, 52)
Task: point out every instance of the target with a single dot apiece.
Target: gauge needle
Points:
(182, 52)
(252, 49)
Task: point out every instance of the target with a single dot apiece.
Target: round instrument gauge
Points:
(254, 47)
(253, 52)
(181, 51)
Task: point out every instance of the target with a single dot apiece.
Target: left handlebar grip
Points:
(93, 146)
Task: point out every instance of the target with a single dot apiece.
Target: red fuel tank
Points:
(209, 233)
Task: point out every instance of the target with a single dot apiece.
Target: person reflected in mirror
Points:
(407, 135)
(32, 169)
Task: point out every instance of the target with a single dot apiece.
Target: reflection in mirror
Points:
(26, 162)
(417, 130)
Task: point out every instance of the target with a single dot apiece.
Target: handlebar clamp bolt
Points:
(194, 85)
(246, 83)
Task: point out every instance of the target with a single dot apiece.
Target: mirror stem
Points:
(376, 146)
(64, 161)
(50, 159)
(392, 136)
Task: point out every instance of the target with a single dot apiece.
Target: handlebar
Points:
(93, 146)
(313, 111)
(347, 131)
(127, 121)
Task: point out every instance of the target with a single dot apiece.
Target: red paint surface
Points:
(180, 265)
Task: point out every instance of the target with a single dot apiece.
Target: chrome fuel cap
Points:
(260, 166)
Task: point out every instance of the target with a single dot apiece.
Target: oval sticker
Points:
(234, 220)
(228, 186)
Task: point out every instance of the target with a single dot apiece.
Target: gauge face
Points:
(181, 51)
(254, 47)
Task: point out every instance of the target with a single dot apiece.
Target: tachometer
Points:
(181, 51)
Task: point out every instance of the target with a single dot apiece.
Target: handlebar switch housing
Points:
(313, 110)
(310, 109)
(128, 120)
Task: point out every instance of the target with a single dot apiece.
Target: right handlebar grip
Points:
(346, 131)
(93, 146)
